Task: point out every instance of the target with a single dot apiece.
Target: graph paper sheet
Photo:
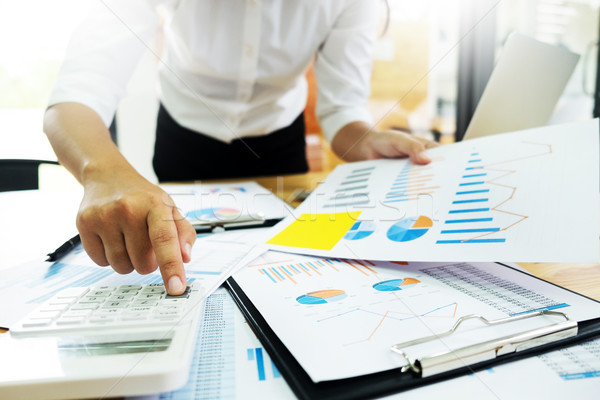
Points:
(528, 196)
(230, 363)
(347, 313)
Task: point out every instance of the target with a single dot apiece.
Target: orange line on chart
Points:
(514, 189)
(307, 273)
(387, 313)
(288, 275)
(423, 188)
(360, 263)
(355, 267)
(311, 267)
(276, 275)
(332, 266)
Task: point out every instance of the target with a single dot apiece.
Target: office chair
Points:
(16, 174)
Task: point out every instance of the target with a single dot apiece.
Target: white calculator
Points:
(102, 342)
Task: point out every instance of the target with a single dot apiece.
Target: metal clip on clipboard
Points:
(450, 360)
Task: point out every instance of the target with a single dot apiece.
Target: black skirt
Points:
(181, 154)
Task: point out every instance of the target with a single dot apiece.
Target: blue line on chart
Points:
(553, 307)
(471, 241)
(269, 275)
(474, 191)
(468, 210)
(580, 375)
(471, 183)
(470, 230)
(469, 201)
(462, 221)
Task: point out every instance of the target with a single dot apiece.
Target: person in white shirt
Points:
(232, 91)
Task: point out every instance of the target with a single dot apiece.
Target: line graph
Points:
(448, 312)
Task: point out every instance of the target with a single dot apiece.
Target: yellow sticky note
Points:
(316, 231)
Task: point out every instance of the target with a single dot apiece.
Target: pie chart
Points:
(322, 297)
(409, 229)
(360, 230)
(213, 214)
(395, 284)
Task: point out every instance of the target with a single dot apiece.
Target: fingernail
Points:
(174, 285)
(424, 157)
(188, 249)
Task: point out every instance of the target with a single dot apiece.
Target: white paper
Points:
(215, 203)
(528, 196)
(229, 361)
(340, 317)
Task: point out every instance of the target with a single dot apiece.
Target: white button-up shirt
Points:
(229, 68)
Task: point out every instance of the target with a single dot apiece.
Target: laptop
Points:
(524, 87)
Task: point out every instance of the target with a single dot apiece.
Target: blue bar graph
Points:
(476, 230)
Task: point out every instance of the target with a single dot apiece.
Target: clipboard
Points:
(408, 377)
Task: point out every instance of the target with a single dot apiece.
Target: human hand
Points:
(394, 144)
(357, 141)
(130, 224)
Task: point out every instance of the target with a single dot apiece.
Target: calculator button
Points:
(67, 301)
(168, 301)
(70, 321)
(136, 287)
(142, 303)
(85, 306)
(72, 292)
(53, 307)
(76, 313)
(92, 299)
(101, 293)
(118, 297)
(134, 316)
(139, 309)
(108, 311)
(36, 323)
(44, 315)
(97, 319)
(115, 304)
(185, 294)
(127, 291)
(156, 290)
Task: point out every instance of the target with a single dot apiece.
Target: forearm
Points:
(82, 142)
(350, 142)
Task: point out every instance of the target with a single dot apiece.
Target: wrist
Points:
(106, 170)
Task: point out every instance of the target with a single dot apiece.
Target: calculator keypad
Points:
(77, 309)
